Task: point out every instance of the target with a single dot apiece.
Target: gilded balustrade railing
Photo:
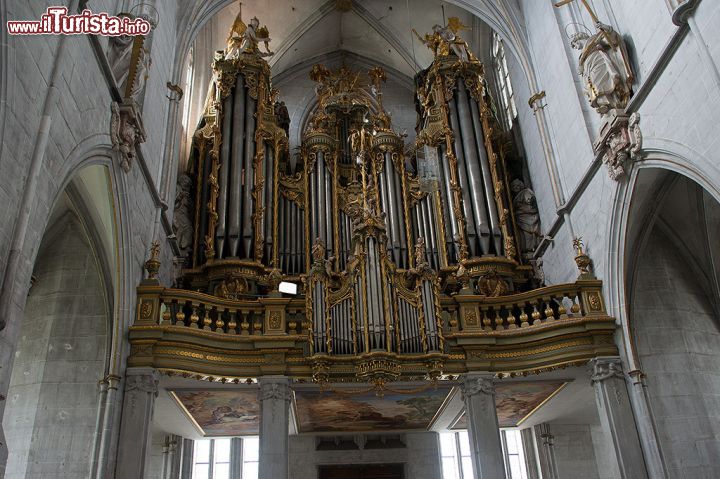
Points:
(209, 337)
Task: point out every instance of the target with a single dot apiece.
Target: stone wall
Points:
(574, 451)
(677, 342)
(50, 419)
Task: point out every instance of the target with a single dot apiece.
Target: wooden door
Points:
(365, 471)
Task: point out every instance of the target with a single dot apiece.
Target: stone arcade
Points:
(362, 239)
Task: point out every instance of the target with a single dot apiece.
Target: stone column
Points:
(546, 451)
(531, 461)
(478, 392)
(138, 402)
(236, 459)
(188, 446)
(616, 416)
(275, 395)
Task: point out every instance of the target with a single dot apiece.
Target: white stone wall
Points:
(421, 456)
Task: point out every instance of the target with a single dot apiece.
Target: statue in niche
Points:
(444, 40)
(283, 117)
(246, 38)
(120, 58)
(182, 224)
(526, 217)
(604, 67)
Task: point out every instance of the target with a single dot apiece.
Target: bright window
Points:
(212, 458)
(502, 77)
(251, 457)
(514, 454)
(455, 454)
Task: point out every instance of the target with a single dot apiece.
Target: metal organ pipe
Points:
(486, 176)
(399, 205)
(247, 226)
(268, 187)
(452, 231)
(462, 177)
(473, 184)
(236, 191)
(224, 169)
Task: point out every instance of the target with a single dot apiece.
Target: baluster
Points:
(292, 322)
(523, 317)
(194, 317)
(487, 322)
(549, 312)
(257, 323)
(232, 324)
(207, 320)
(219, 323)
(536, 315)
(511, 317)
(499, 319)
(180, 318)
(562, 311)
(244, 325)
(575, 308)
(166, 315)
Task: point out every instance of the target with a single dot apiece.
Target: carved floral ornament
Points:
(477, 385)
(144, 383)
(277, 391)
(603, 369)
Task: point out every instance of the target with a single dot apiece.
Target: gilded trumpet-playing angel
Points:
(445, 40)
(246, 38)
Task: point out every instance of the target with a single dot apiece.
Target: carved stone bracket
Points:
(477, 385)
(144, 383)
(126, 131)
(275, 391)
(620, 139)
(605, 368)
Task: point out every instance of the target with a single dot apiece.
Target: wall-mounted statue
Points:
(182, 222)
(120, 57)
(126, 132)
(605, 68)
(283, 117)
(526, 217)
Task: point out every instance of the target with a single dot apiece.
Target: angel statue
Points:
(446, 39)
(605, 68)
(246, 38)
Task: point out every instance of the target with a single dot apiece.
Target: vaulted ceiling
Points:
(376, 29)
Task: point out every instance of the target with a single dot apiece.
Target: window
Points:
(188, 88)
(455, 454)
(250, 457)
(502, 77)
(212, 458)
(514, 454)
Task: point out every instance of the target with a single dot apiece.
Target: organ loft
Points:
(342, 239)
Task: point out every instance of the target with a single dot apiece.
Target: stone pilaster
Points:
(236, 459)
(616, 416)
(546, 451)
(478, 392)
(531, 461)
(275, 395)
(141, 389)
(188, 448)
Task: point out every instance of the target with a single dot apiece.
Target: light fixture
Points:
(287, 287)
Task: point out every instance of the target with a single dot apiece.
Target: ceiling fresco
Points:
(222, 412)
(236, 412)
(516, 401)
(331, 412)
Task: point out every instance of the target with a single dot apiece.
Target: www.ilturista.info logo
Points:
(56, 21)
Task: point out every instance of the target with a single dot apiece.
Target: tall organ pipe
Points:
(399, 204)
(462, 177)
(487, 177)
(224, 170)
(448, 204)
(321, 193)
(474, 184)
(328, 216)
(268, 215)
(247, 225)
(236, 193)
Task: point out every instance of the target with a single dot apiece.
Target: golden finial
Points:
(582, 260)
(152, 265)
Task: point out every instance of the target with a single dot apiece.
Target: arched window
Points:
(502, 77)
(188, 89)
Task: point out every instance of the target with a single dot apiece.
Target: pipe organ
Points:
(378, 233)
